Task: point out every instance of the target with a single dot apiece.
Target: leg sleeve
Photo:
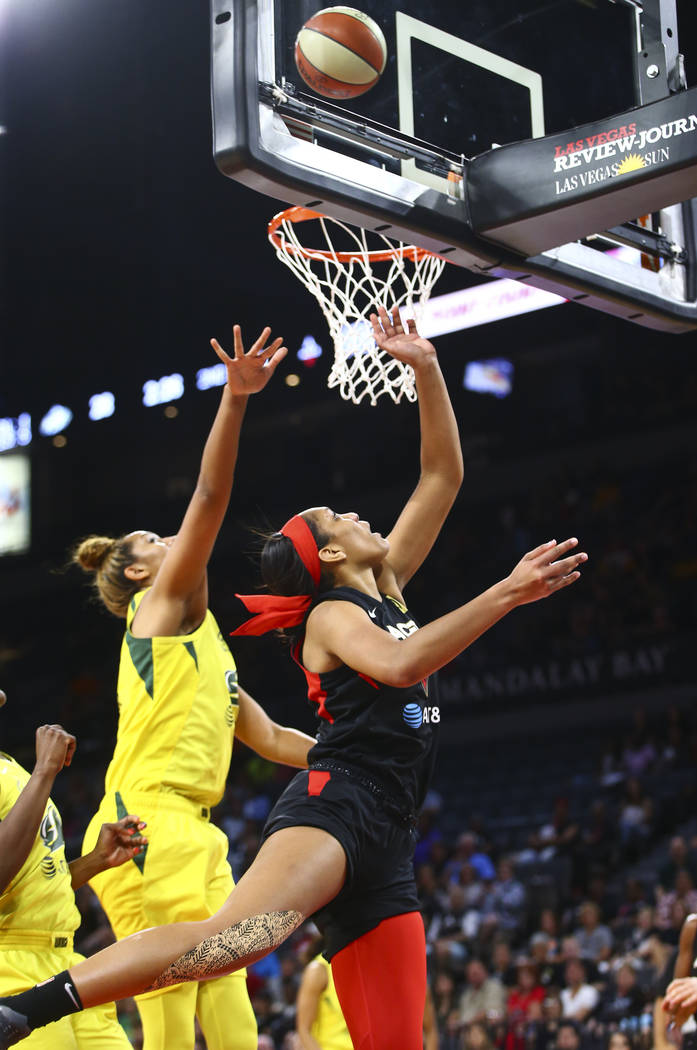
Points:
(380, 980)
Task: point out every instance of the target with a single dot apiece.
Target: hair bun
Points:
(91, 553)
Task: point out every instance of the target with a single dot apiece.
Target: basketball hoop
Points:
(348, 288)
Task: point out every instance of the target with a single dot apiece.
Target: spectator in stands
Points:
(453, 928)
(619, 1041)
(568, 1037)
(543, 958)
(639, 754)
(683, 893)
(429, 834)
(472, 885)
(679, 859)
(562, 833)
(636, 815)
(611, 771)
(633, 929)
(578, 998)
(549, 924)
(483, 997)
(476, 1037)
(600, 835)
(594, 938)
(445, 1003)
(528, 991)
(431, 899)
(467, 852)
(571, 950)
(503, 906)
(502, 965)
(623, 998)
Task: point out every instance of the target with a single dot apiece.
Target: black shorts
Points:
(377, 835)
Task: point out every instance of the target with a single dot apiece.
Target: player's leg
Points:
(95, 1029)
(225, 1014)
(297, 871)
(222, 1006)
(384, 967)
(168, 1018)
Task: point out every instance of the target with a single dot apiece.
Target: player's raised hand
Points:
(545, 570)
(406, 345)
(54, 749)
(248, 372)
(119, 842)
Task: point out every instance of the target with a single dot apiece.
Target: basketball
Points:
(340, 52)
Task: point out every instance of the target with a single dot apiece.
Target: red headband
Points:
(277, 610)
(300, 535)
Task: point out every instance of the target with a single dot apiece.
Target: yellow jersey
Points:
(40, 897)
(178, 704)
(329, 1027)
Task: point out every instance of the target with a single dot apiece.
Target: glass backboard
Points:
(418, 155)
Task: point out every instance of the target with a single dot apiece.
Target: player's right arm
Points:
(344, 632)
(313, 983)
(180, 592)
(18, 831)
(272, 741)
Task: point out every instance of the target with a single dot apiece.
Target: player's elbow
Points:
(402, 673)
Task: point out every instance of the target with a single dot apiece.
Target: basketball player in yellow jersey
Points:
(38, 915)
(179, 708)
(319, 1022)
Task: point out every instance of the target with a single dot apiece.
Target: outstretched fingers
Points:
(388, 324)
(565, 571)
(275, 355)
(224, 357)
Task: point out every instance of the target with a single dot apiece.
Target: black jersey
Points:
(385, 733)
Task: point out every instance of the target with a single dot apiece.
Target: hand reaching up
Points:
(389, 334)
(249, 372)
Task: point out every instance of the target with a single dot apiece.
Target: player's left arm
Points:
(442, 468)
(116, 843)
(270, 740)
(312, 985)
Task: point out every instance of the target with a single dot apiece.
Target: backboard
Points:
(503, 135)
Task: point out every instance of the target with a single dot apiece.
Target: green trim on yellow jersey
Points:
(178, 705)
(141, 655)
(121, 812)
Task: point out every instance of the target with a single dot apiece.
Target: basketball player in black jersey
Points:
(338, 844)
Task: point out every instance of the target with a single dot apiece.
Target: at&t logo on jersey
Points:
(415, 716)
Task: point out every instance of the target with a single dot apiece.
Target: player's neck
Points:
(360, 578)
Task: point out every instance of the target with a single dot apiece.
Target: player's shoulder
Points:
(334, 607)
(316, 973)
(9, 766)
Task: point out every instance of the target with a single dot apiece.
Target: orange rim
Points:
(299, 214)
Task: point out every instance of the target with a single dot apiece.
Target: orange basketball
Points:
(340, 52)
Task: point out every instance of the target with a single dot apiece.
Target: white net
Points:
(349, 283)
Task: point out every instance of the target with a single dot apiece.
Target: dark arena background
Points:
(566, 778)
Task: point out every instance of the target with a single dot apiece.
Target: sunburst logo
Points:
(631, 163)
